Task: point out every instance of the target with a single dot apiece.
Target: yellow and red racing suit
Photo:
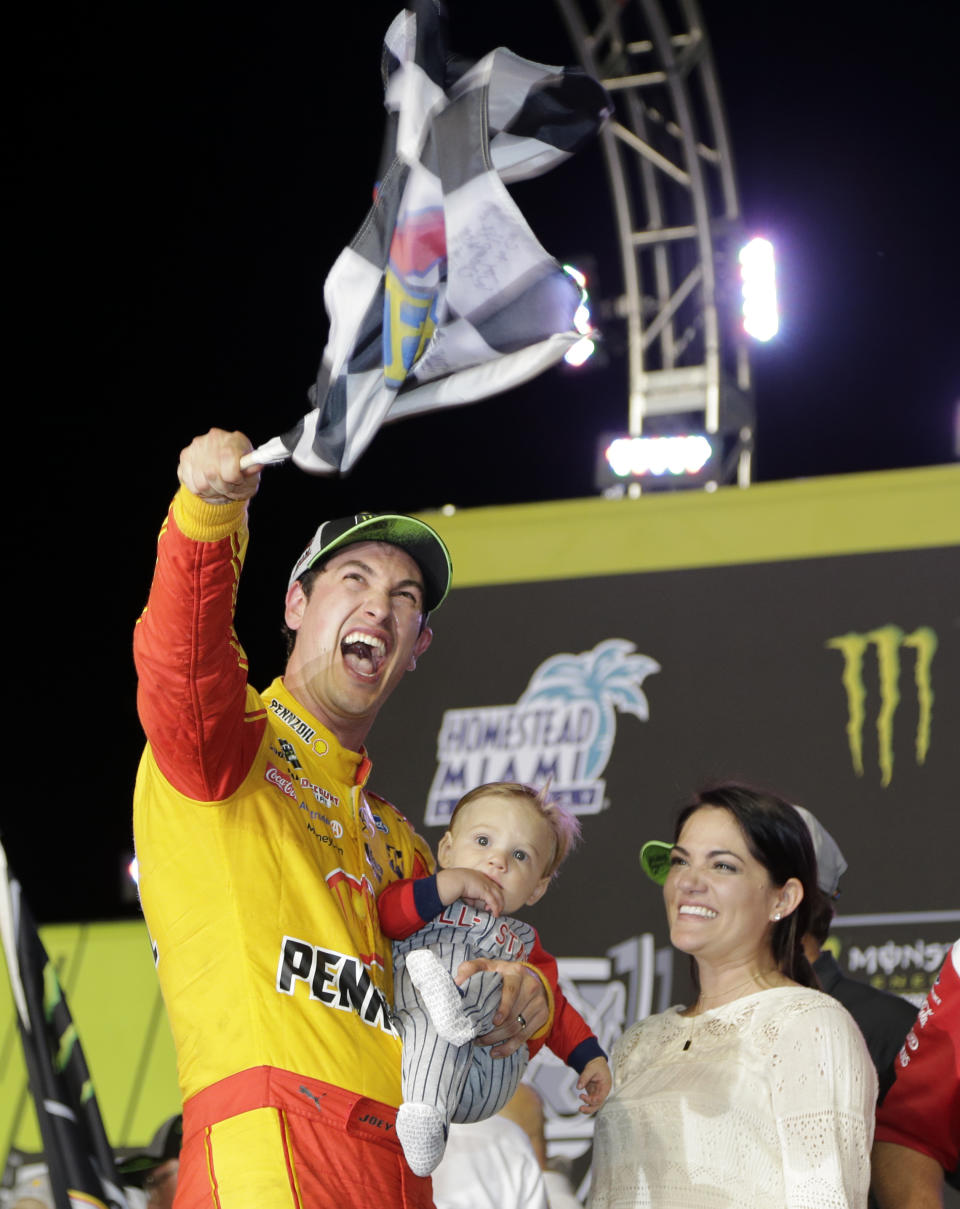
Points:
(261, 857)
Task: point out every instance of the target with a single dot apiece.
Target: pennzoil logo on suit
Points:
(336, 980)
(894, 650)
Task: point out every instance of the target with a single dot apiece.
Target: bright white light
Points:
(134, 870)
(758, 273)
(579, 352)
(637, 456)
(585, 348)
(619, 455)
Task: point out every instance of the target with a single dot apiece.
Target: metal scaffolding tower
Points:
(678, 220)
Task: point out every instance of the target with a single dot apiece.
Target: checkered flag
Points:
(80, 1163)
(445, 295)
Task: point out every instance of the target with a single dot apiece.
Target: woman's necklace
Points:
(731, 991)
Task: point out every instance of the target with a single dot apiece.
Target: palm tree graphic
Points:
(610, 677)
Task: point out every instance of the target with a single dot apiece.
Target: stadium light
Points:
(129, 878)
(586, 346)
(681, 459)
(758, 275)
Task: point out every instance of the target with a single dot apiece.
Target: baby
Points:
(505, 843)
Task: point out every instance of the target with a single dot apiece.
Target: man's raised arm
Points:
(192, 670)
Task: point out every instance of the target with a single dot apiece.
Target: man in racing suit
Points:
(261, 854)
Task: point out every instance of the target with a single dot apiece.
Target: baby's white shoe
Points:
(423, 1136)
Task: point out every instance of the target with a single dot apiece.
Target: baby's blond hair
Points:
(563, 823)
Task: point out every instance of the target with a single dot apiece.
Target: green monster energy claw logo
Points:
(888, 641)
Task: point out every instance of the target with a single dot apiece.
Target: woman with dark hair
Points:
(760, 1094)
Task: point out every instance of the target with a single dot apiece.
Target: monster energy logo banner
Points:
(888, 642)
(560, 730)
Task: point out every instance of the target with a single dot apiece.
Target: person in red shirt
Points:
(917, 1139)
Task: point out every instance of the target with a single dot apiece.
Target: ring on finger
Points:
(521, 1022)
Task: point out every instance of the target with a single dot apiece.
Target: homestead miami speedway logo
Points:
(891, 647)
(561, 729)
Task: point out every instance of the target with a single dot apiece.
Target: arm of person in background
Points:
(903, 1178)
(192, 692)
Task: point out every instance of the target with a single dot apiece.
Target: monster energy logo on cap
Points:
(422, 543)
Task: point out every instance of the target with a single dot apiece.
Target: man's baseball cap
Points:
(421, 542)
(655, 856)
(830, 860)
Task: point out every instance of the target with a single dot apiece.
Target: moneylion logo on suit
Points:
(873, 663)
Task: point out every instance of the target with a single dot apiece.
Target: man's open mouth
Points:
(363, 653)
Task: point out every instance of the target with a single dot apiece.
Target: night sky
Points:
(184, 178)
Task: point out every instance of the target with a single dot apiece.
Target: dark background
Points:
(184, 178)
(747, 690)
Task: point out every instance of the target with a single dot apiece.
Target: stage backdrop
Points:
(804, 636)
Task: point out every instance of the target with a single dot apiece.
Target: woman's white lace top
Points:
(770, 1107)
